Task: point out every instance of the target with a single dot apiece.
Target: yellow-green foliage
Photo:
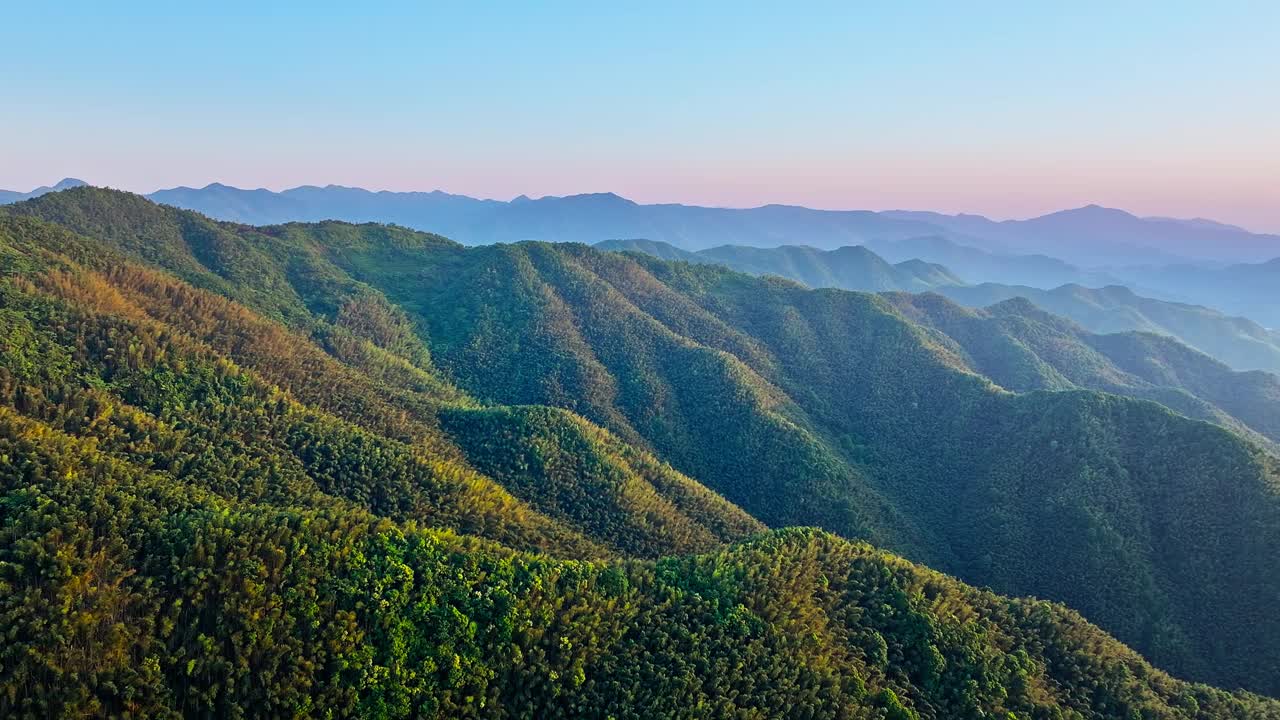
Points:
(338, 470)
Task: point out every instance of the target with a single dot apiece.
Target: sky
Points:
(1007, 109)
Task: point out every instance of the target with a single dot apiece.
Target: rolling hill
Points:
(655, 379)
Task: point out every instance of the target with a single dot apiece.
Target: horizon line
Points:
(532, 198)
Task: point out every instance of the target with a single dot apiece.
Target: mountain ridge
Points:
(799, 406)
(1090, 235)
(224, 501)
(1237, 341)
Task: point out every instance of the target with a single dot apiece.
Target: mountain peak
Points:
(601, 198)
(1092, 210)
(69, 182)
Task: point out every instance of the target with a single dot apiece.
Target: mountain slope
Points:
(822, 407)
(205, 511)
(848, 267)
(1024, 348)
(1238, 342)
(234, 609)
(352, 407)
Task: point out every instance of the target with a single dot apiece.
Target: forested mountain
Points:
(853, 267)
(1237, 341)
(301, 469)
(1024, 348)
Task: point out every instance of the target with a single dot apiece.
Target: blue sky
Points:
(1009, 109)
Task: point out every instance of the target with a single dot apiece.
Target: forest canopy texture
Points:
(334, 470)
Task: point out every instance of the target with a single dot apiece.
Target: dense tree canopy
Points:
(335, 470)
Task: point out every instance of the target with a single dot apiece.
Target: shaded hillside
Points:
(801, 407)
(1024, 348)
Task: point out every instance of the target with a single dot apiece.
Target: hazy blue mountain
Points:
(1086, 237)
(851, 268)
(312, 203)
(979, 266)
(586, 218)
(1252, 290)
(1198, 222)
(13, 196)
(1240, 343)
(1095, 235)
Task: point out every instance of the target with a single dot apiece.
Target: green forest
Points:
(334, 470)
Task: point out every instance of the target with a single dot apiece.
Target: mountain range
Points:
(12, 196)
(851, 268)
(1244, 288)
(1236, 341)
(980, 266)
(371, 470)
(1088, 236)
(1095, 235)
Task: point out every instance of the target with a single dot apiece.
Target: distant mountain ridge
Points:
(979, 266)
(1245, 288)
(1089, 236)
(1096, 235)
(1239, 342)
(13, 196)
(1092, 235)
(1236, 341)
(851, 267)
